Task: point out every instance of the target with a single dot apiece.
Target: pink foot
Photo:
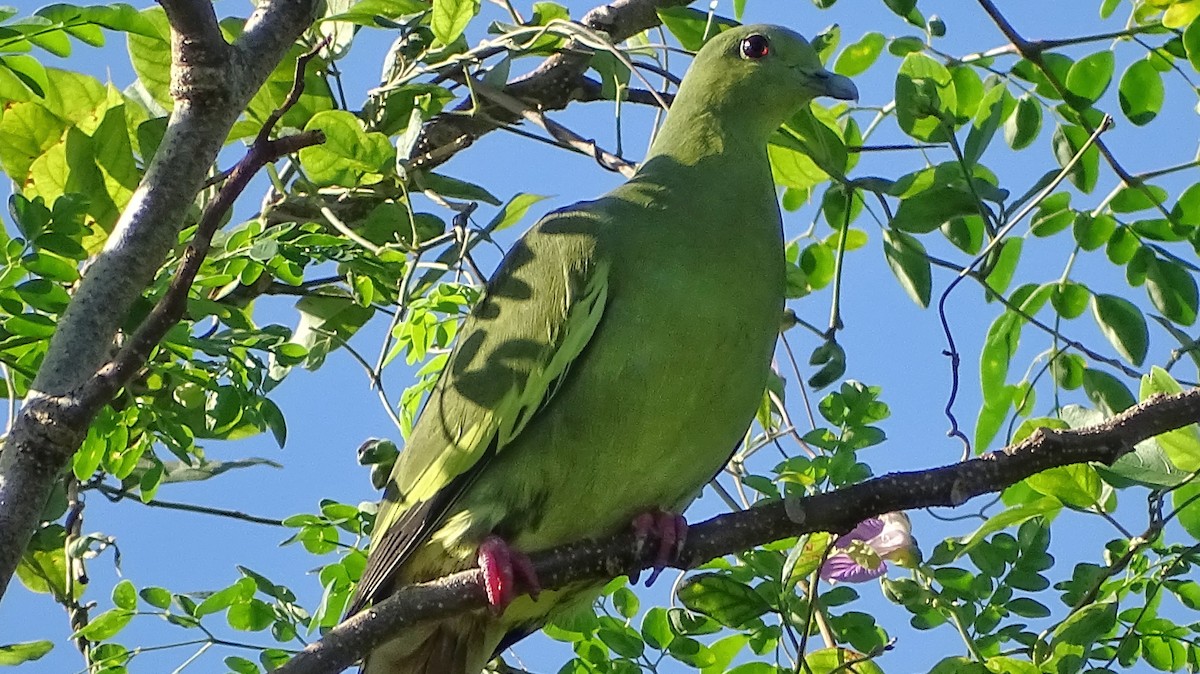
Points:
(503, 569)
(671, 531)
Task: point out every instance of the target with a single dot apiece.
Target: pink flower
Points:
(860, 555)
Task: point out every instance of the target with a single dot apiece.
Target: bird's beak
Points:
(834, 86)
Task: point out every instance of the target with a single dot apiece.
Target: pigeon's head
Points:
(762, 71)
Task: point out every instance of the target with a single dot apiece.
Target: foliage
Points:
(366, 238)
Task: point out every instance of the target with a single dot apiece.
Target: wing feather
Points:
(536, 317)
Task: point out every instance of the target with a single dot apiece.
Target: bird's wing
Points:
(536, 316)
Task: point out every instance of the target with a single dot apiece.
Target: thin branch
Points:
(560, 133)
(550, 86)
(839, 511)
(169, 309)
(115, 494)
(1032, 52)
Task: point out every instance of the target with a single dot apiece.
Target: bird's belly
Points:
(652, 412)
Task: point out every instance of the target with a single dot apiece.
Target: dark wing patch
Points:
(398, 543)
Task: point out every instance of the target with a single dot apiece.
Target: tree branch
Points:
(115, 494)
(837, 511)
(551, 86)
(212, 82)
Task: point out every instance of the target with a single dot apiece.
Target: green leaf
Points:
(626, 602)
(124, 595)
(1133, 198)
(692, 27)
(623, 640)
(457, 189)
(832, 358)
(1068, 140)
(240, 665)
(1047, 506)
(106, 625)
(1086, 626)
(155, 596)
(857, 57)
(1122, 246)
(1191, 43)
(1141, 92)
(30, 325)
(1001, 274)
(1107, 392)
(722, 598)
(691, 652)
(968, 89)
(927, 210)
(1078, 486)
(1173, 291)
(240, 591)
(26, 651)
(250, 616)
(1186, 499)
(22, 78)
(1070, 299)
(273, 417)
(1089, 77)
(908, 261)
(27, 131)
(1123, 325)
(150, 54)
(350, 155)
(907, 10)
(1024, 124)
(1028, 608)
(1181, 13)
(925, 98)
(512, 212)
(450, 18)
(807, 149)
(830, 660)
(656, 628)
(1182, 445)
(1003, 665)
(1093, 232)
(1161, 644)
(990, 111)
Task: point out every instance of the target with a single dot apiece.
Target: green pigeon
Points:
(612, 364)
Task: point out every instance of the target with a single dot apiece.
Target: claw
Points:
(671, 531)
(503, 569)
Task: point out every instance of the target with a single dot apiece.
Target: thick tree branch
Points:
(551, 86)
(212, 82)
(837, 511)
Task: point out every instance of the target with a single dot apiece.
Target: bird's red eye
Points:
(755, 47)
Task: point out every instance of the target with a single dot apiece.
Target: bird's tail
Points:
(462, 645)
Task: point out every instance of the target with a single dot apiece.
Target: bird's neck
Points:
(695, 131)
(702, 156)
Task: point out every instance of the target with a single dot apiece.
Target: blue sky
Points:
(890, 341)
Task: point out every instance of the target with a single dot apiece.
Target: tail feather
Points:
(461, 645)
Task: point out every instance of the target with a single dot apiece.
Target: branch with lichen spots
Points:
(836, 511)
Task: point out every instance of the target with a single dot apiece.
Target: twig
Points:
(951, 351)
(560, 133)
(1032, 52)
(552, 84)
(115, 494)
(77, 614)
(169, 309)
